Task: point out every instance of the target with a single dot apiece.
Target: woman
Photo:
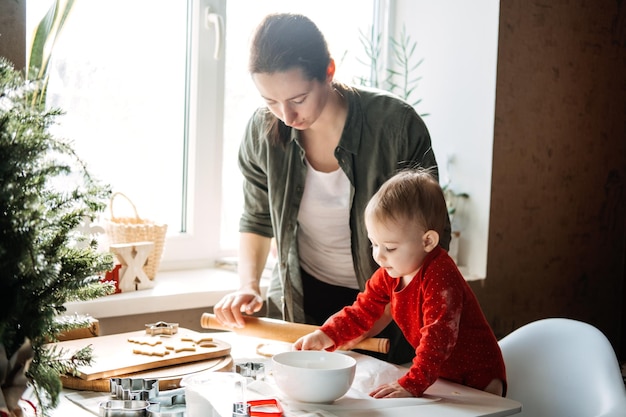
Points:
(311, 160)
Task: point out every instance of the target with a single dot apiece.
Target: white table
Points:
(451, 400)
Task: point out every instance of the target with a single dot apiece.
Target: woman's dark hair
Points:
(284, 41)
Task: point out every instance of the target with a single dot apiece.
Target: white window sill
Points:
(173, 290)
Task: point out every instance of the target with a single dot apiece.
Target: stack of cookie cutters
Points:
(137, 397)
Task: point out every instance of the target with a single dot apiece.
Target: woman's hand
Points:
(316, 340)
(391, 390)
(253, 251)
(229, 309)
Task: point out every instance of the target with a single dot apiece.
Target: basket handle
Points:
(127, 199)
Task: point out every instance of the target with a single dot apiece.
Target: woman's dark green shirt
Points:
(382, 134)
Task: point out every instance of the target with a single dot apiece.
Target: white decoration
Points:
(133, 257)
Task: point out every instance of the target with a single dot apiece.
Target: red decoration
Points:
(113, 276)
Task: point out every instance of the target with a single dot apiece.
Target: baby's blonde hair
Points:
(410, 195)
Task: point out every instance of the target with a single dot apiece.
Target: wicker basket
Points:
(136, 229)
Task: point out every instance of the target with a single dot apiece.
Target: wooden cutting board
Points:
(169, 377)
(113, 354)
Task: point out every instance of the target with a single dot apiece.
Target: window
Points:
(160, 119)
(156, 95)
(120, 72)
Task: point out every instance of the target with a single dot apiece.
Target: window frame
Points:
(197, 246)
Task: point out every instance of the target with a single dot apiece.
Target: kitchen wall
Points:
(557, 239)
(557, 225)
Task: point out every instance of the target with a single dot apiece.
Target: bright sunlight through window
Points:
(125, 74)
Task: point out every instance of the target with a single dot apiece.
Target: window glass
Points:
(118, 72)
(131, 77)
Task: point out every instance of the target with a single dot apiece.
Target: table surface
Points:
(452, 400)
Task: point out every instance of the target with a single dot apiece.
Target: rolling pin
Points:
(284, 331)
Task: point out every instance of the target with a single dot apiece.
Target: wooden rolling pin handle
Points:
(284, 331)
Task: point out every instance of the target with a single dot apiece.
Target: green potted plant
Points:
(46, 195)
(454, 200)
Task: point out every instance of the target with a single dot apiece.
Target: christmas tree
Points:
(46, 196)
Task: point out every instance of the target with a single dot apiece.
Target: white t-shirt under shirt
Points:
(324, 228)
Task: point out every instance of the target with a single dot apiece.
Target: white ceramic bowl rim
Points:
(318, 360)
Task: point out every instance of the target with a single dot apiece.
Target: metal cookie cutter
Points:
(161, 327)
(130, 392)
(254, 370)
(123, 408)
(171, 404)
(258, 408)
(134, 388)
(158, 410)
(170, 398)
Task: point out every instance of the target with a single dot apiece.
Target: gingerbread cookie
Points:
(197, 339)
(182, 346)
(151, 350)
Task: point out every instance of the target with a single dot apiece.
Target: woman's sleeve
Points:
(419, 151)
(256, 216)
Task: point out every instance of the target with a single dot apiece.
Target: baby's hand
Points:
(352, 343)
(392, 390)
(317, 340)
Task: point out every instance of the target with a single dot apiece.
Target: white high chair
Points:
(563, 368)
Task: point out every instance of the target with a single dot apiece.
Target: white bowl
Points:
(313, 376)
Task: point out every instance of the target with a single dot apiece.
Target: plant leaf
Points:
(43, 44)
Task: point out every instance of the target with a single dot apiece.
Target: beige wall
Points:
(558, 212)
